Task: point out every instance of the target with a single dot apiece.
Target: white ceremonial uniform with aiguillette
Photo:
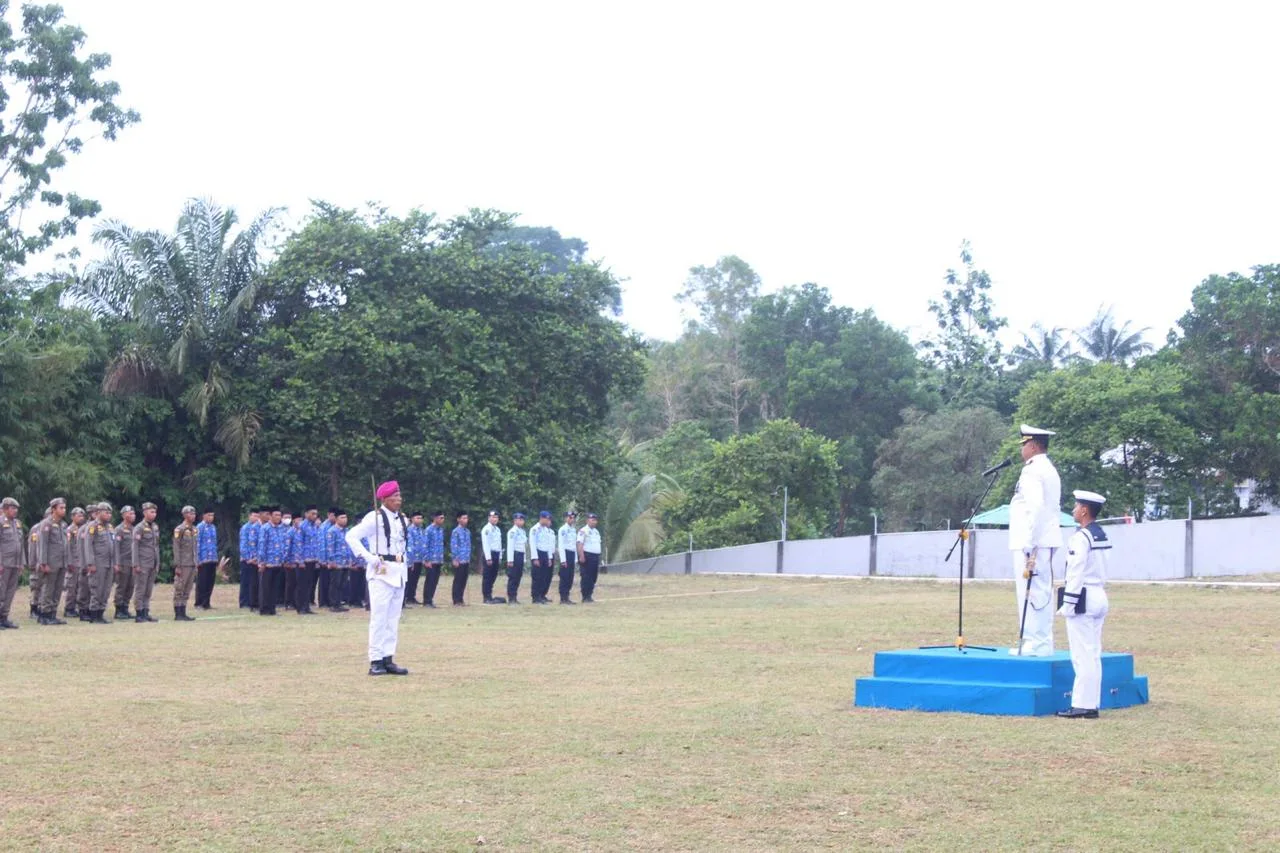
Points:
(387, 533)
(1034, 530)
(1086, 577)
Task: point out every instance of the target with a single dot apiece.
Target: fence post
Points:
(688, 562)
(1189, 553)
(781, 547)
(871, 567)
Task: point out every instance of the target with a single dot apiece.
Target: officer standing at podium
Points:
(1084, 604)
(1034, 535)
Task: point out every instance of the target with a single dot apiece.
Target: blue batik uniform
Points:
(460, 544)
(206, 543)
(293, 551)
(336, 550)
(311, 542)
(435, 544)
(273, 547)
(416, 544)
(250, 533)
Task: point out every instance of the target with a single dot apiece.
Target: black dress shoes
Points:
(1079, 714)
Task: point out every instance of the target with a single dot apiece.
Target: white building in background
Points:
(1245, 495)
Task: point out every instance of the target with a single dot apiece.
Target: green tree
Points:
(1125, 432)
(735, 498)
(1103, 341)
(1048, 346)
(965, 352)
(1230, 349)
(927, 473)
(722, 295)
(188, 301)
(51, 94)
(406, 347)
(558, 253)
(632, 517)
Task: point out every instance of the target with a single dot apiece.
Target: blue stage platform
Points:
(977, 681)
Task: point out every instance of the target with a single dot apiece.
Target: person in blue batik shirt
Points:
(434, 558)
(250, 532)
(272, 548)
(207, 559)
(417, 557)
(460, 555)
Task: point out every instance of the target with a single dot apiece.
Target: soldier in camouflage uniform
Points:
(146, 563)
(123, 568)
(185, 538)
(51, 560)
(99, 547)
(13, 554)
(73, 562)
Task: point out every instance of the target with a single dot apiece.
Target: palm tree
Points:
(1050, 346)
(633, 517)
(189, 297)
(1104, 341)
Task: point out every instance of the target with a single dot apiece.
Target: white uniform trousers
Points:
(1084, 635)
(385, 603)
(1037, 638)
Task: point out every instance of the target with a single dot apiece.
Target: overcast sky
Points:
(1093, 153)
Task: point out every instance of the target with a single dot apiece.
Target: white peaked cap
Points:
(1030, 430)
(1091, 497)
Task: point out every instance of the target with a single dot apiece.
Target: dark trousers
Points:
(337, 586)
(490, 574)
(541, 575)
(305, 577)
(515, 572)
(204, 583)
(359, 587)
(411, 590)
(433, 581)
(248, 585)
(289, 595)
(590, 571)
(460, 574)
(325, 596)
(567, 559)
(269, 578)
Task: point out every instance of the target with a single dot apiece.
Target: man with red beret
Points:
(386, 572)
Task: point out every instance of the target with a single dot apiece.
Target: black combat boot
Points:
(392, 667)
(98, 618)
(147, 617)
(180, 615)
(123, 612)
(377, 667)
(51, 618)
(73, 613)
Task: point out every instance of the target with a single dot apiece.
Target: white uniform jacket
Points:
(375, 530)
(491, 540)
(1087, 569)
(1033, 512)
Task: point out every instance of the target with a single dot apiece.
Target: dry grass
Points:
(691, 722)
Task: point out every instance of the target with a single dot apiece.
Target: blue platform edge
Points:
(977, 681)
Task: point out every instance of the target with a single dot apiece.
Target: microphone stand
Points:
(962, 536)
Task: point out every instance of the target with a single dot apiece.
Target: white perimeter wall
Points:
(1152, 551)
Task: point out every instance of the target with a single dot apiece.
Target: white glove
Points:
(373, 564)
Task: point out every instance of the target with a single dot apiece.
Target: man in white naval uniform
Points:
(1034, 535)
(386, 573)
(1084, 604)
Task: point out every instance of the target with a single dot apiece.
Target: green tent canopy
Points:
(999, 517)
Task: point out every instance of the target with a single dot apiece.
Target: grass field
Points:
(679, 713)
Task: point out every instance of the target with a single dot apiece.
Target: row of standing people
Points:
(301, 562)
(81, 555)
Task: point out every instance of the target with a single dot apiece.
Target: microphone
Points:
(994, 468)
